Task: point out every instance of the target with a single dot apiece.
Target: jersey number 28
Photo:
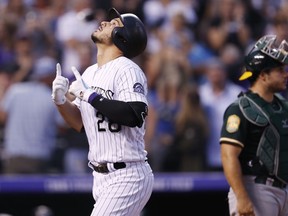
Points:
(113, 127)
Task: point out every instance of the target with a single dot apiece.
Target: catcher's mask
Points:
(131, 39)
(265, 55)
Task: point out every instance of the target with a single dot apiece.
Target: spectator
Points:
(31, 121)
(71, 37)
(24, 58)
(7, 71)
(8, 29)
(155, 12)
(187, 152)
(215, 94)
(164, 105)
(231, 56)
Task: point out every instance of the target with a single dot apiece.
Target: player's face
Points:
(104, 32)
(277, 79)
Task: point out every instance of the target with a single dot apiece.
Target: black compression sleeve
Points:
(130, 114)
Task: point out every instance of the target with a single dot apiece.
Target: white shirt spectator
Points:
(72, 31)
(216, 94)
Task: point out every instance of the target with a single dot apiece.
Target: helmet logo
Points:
(259, 57)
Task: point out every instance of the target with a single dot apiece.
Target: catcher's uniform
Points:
(254, 125)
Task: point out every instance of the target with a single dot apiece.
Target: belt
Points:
(272, 181)
(103, 168)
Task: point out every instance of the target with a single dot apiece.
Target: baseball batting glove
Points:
(59, 87)
(80, 89)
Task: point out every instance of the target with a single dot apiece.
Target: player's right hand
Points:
(60, 87)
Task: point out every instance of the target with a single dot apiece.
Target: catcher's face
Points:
(276, 80)
(104, 32)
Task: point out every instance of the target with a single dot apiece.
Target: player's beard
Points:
(101, 40)
(94, 38)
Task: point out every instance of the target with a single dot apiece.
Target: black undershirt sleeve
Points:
(129, 114)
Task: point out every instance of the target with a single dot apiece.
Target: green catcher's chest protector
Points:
(273, 146)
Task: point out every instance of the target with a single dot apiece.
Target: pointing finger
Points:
(58, 70)
(76, 73)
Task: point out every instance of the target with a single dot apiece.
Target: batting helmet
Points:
(131, 39)
(265, 55)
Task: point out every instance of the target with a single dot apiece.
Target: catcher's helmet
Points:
(265, 55)
(131, 39)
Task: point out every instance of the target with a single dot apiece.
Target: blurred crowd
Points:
(192, 61)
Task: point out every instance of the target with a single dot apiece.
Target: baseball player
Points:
(111, 107)
(254, 135)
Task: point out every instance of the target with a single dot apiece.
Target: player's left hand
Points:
(79, 88)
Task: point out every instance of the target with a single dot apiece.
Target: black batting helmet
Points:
(265, 55)
(131, 39)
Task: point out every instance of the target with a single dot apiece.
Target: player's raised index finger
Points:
(76, 73)
(58, 70)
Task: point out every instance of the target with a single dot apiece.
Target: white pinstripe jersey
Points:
(118, 80)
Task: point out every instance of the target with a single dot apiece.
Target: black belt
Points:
(272, 181)
(103, 168)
